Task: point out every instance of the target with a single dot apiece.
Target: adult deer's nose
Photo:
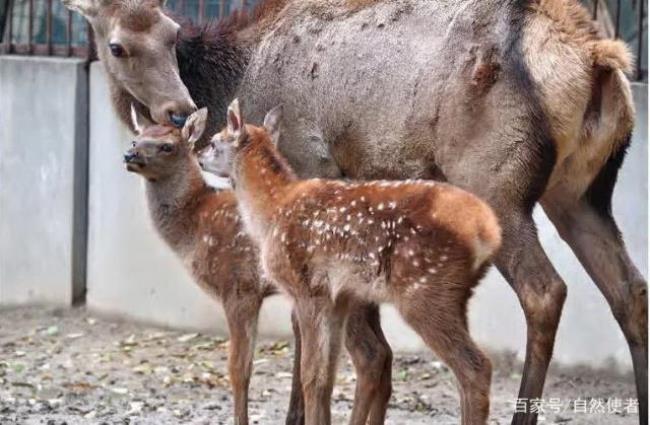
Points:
(178, 112)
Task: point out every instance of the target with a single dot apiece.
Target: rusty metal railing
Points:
(29, 27)
(46, 27)
(626, 19)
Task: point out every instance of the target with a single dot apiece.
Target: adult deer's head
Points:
(136, 42)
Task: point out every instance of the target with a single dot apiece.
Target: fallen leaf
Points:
(119, 390)
(187, 337)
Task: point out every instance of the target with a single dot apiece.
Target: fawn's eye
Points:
(167, 147)
(133, 144)
(116, 50)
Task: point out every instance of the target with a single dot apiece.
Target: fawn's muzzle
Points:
(133, 160)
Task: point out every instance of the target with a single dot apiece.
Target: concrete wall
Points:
(43, 159)
(132, 274)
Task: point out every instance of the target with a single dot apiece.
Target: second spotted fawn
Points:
(422, 246)
(203, 227)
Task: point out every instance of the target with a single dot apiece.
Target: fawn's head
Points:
(161, 151)
(219, 156)
(136, 42)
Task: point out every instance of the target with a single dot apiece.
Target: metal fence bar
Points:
(10, 26)
(91, 53)
(68, 33)
(617, 19)
(48, 27)
(639, 56)
(30, 25)
(201, 13)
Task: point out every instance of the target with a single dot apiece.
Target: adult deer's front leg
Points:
(241, 313)
(595, 239)
(541, 293)
(321, 324)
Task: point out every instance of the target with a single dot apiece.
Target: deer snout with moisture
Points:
(133, 160)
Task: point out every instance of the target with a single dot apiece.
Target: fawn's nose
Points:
(129, 156)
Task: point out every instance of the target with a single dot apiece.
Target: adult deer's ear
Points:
(272, 123)
(138, 121)
(87, 8)
(235, 123)
(195, 126)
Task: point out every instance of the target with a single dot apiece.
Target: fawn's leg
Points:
(242, 313)
(444, 329)
(380, 403)
(595, 239)
(372, 358)
(296, 413)
(321, 324)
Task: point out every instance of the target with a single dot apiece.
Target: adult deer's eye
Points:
(116, 50)
(167, 148)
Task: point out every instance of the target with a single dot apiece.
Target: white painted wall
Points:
(43, 139)
(132, 274)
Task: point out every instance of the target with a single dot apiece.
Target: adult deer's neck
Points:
(174, 202)
(263, 180)
(212, 60)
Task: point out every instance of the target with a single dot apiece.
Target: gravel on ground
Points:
(69, 367)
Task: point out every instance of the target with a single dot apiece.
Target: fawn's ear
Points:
(138, 121)
(235, 122)
(195, 126)
(272, 123)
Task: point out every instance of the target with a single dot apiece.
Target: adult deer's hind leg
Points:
(588, 227)
(372, 358)
(242, 312)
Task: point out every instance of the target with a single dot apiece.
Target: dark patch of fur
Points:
(540, 149)
(599, 194)
(211, 61)
(211, 65)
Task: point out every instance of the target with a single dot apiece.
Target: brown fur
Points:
(421, 245)
(355, 5)
(140, 16)
(204, 229)
(551, 125)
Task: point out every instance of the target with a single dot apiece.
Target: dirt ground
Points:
(68, 367)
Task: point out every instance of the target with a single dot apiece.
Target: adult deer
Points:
(519, 102)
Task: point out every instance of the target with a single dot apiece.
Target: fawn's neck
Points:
(173, 204)
(263, 181)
